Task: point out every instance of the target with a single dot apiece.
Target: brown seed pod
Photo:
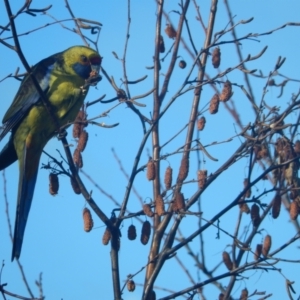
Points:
(161, 44)
(159, 205)
(258, 250)
(87, 220)
(168, 177)
(201, 123)
(297, 147)
(276, 206)
(75, 186)
(184, 169)
(202, 176)
(151, 170)
(147, 210)
(53, 184)
(146, 231)
(76, 130)
(244, 294)
(221, 296)
(227, 260)
(244, 207)
(130, 285)
(216, 57)
(267, 245)
(106, 236)
(255, 215)
(77, 127)
(226, 92)
(294, 210)
(131, 232)
(178, 203)
(77, 158)
(170, 31)
(83, 138)
(214, 104)
(248, 193)
(182, 64)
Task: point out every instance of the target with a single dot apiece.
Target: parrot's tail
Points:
(25, 195)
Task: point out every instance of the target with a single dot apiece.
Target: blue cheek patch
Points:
(82, 70)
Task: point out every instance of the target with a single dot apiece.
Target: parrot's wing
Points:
(27, 94)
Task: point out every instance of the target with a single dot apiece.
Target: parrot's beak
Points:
(94, 75)
(95, 63)
(95, 69)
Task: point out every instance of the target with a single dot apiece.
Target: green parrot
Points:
(65, 78)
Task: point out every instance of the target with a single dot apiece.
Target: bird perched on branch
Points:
(64, 78)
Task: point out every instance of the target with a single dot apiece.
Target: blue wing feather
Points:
(27, 94)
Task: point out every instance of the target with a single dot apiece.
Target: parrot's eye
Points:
(84, 58)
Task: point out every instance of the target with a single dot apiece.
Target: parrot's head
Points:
(84, 62)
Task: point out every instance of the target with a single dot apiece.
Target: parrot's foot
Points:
(62, 134)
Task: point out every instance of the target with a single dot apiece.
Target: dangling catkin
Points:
(146, 231)
(216, 57)
(87, 220)
(178, 203)
(83, 138)
(147, 210)
(184, 169)
(168, 178)
(130, 285)
(77, 158)
(106, 236)
(294, 210)
(150, 170)
(53, 184)
(182, 64)
(159, 205)
(276, 205)
(131, 232)
(201, 123)
(202, 176)
(227, 260)
(77, 127)
(226, 92)
(170, 31)
(267, 245)
(255, 215)
(258, 250)
(214, 104)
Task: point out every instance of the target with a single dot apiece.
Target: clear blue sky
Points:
(75, 265)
